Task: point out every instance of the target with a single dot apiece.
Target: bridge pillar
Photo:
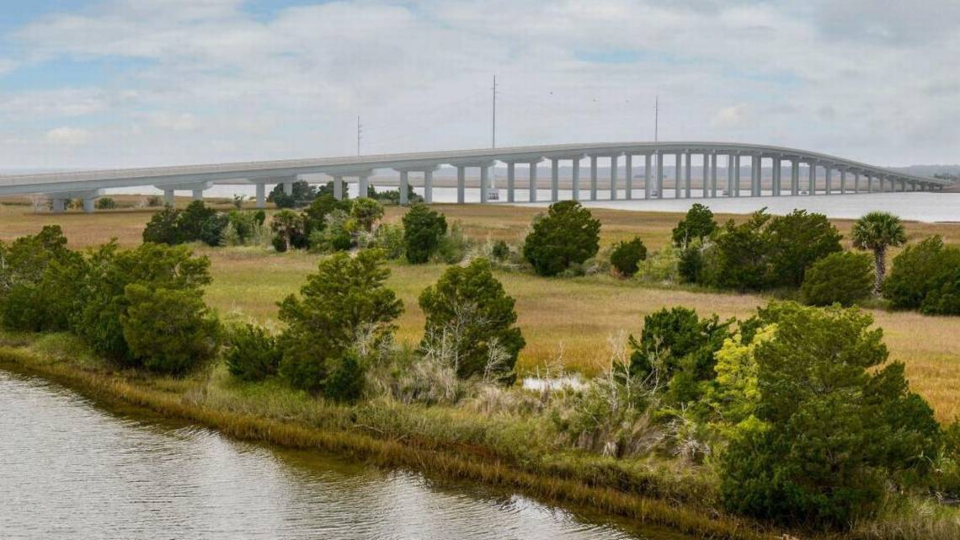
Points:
(88, 204)
(713, 176)
(869, 184)
(812, 178)
(628, 176)
(337, 189)
(511, 180)
(687, 174)
(404, 188)
(461, 184)
(261, 198)
(59, 205)
(737, 177)
(843, 181)
(677, 174)
(363, 186)
(593, 178)
(706, 176)
(829, 186)
(755, 163)
(484, 183)
(198, 194)
(730, 187)
(795, 176)
(533, 181)
(428, 187)
(168, 195)
(287, 189)
(576, 179)
(614, 165)
(659, 180)
(554, 179)
(647, 192)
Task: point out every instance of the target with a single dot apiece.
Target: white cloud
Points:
(68, 136)
(6, 66)
(292, 84)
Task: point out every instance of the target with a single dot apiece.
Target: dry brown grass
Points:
(576, 316)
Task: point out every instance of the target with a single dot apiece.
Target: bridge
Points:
(721, 165)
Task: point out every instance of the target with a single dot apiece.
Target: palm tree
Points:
(877, 231)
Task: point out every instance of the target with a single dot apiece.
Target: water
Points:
(914, 206)
(71, 470)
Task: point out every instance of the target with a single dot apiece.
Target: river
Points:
(69, 469)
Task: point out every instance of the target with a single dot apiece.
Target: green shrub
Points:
(919, 270)
(697, 225)
(500, 250)
(106, 203)
(661, 266)
(366, 212)
(167, 330)
(287, 227)
(743, 254)
(163, 227)
(192, 220)
(211, 233)
(626, 256)
(567, 235)
(691, 264)
(945, 298)
(346, 380)
(796, 241)
(842, 278)
(103, 302)
(345, 297)
(336, 234)
(154, 201)
(252, 354)
(454, 245)
(302, 194)
(470, 321)
(389, 239)
(423, 230)
(315, 215)
(833, 421)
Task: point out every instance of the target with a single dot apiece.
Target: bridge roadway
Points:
(713, 157)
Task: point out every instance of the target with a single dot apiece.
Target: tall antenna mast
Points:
(359, 134)
(656, 120)
(493, 143)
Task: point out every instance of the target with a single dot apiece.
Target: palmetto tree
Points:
(877, 231)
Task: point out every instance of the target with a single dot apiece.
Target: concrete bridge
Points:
(722, 166)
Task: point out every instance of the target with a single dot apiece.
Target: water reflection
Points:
(70, 470)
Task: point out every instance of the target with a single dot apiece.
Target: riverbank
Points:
(440, 441)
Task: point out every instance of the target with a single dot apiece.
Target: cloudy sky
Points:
(117, 83)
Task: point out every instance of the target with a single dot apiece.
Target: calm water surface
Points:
(71, 470)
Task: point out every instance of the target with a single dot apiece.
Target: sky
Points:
(128, 83)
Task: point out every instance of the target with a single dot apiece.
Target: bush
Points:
(315, 215)
(211, 233)
(163, 227)
(839, 278)
(423, 230)
(287, 227)
(366, 212)
(252, 354)
(919, 270)
(567, 235)
(691, 264)
(154, 201)
(336, 234)
(103, 301)
(346, 380)
(167, 330)
(626, 256)
(303, 194)
(833, 421)
(796, 241)
(697, 225)
(192, 220)
(743, 261)
(500, 250)
(106, 203)
(453, 246)
(389, 240)
(470, 322)
(345, 297)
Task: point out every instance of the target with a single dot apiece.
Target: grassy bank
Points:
(565, 321)
(454, 443)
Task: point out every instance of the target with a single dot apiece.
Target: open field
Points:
(562, 319)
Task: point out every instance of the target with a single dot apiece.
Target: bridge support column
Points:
(736, 175)
(647, 191)
(261, 197)
(628, 176)
(829, 173)
(337, 189)
(677, 174)
(869, 184)
(713, 176)
(484, 183)
(706, 176)
(198, 194)
(843, 181)
(461, 184)
(554, 180)
(168, 197)
(428, 187)
(686, 170)
(614, 165)
(856, 182)
(659, 181)
(812, 179)
(593, 178)
(88, 204)
(730, 187)
(755, 162)
(795, 176)
(576, 180)
(287, 189)
(511, 180)
(404, 188)
(59, 205)
(533, 182)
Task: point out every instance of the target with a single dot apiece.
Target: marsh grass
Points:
(578, 314)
